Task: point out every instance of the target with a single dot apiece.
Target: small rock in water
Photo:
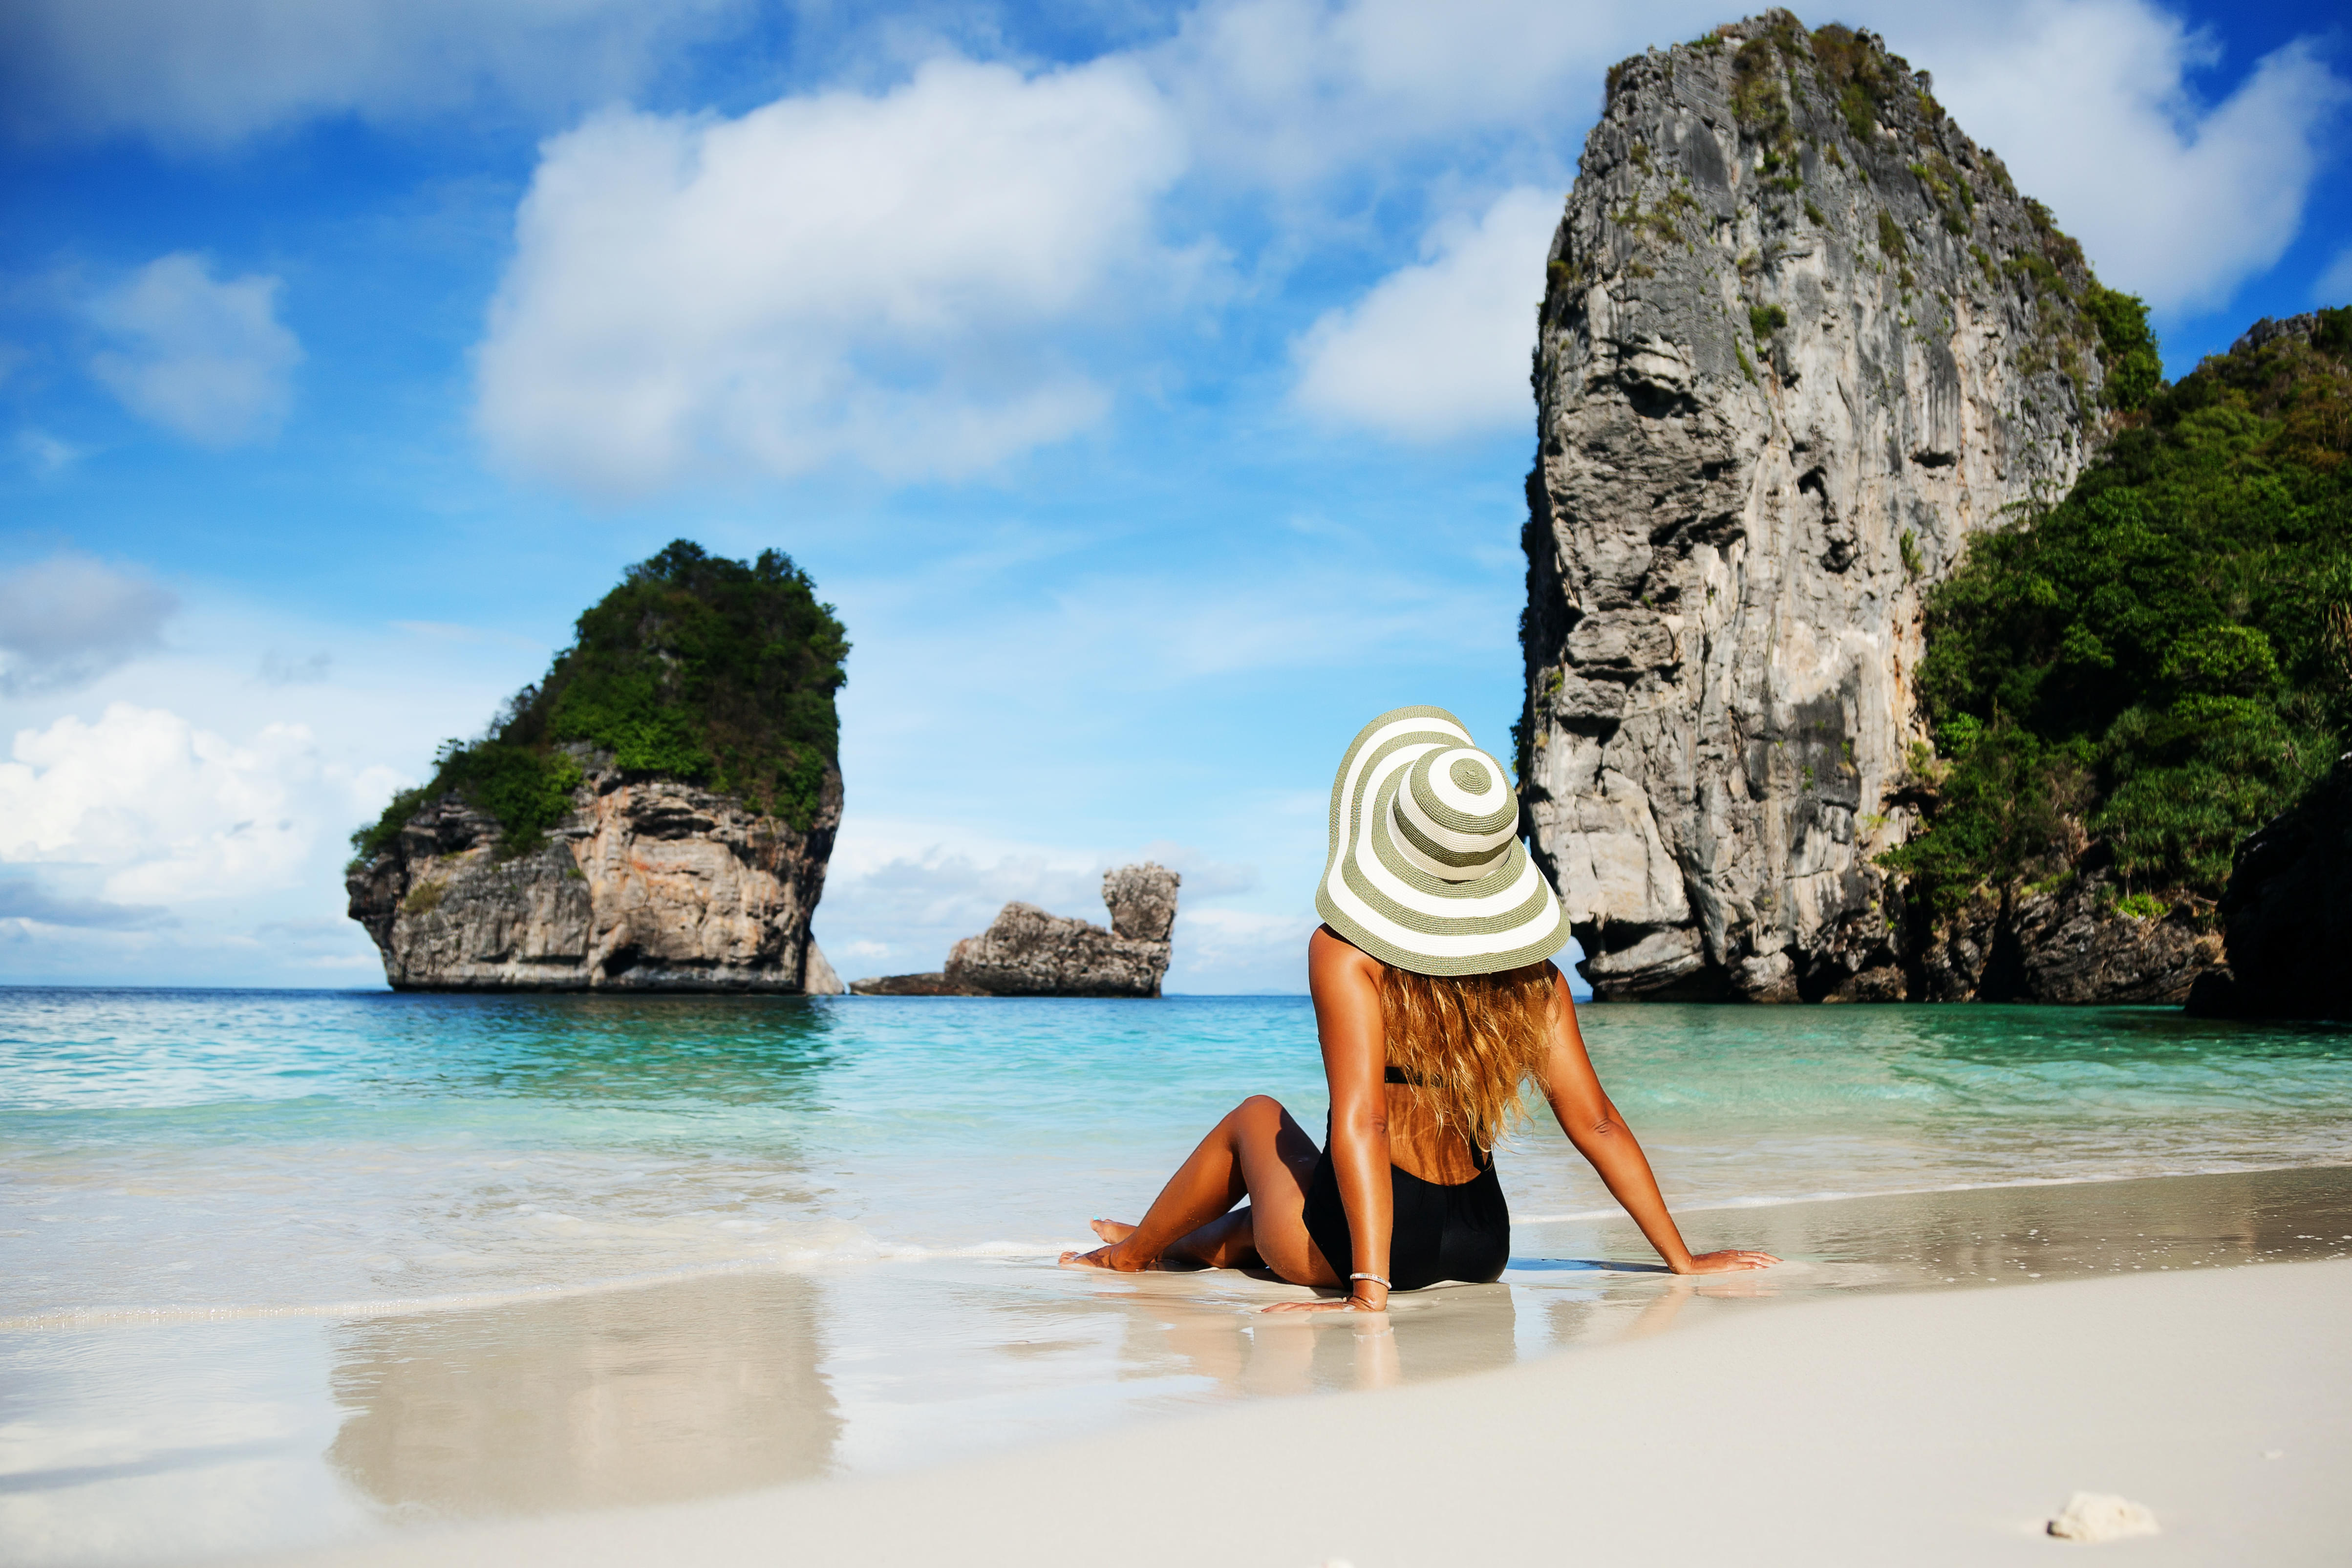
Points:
(2097, 1516)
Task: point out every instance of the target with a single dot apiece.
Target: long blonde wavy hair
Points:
(1472, 1039)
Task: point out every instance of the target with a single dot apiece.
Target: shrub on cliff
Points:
(2163, 661)
(719, 672)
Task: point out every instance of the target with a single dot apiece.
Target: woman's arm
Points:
(1346, 984)
(1600, 1135)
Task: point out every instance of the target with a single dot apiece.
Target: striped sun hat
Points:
(1427, 871)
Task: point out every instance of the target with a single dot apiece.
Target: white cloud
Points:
(211, 72)
(206, 360)
(69, 619)
(1291, 91)
(880, 280)
(167, 812)
(2090, 104)
(1440, 348)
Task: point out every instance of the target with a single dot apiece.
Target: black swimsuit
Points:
(1459, 1230)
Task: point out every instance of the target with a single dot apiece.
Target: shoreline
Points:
(887, 1254)
(1932, 1428)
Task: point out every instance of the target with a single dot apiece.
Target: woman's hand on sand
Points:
(1730, 1260)
(1345, 1304)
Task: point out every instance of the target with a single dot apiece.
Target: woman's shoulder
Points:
(1328, 951)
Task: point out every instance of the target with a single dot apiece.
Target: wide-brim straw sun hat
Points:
(1426, 870)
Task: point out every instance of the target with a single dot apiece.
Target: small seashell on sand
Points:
(2098, 1516)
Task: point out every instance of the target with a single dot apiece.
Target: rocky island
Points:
(656, 815)
(1843, 681)
(1027, 952)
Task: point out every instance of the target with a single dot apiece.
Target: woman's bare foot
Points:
(1112, 1230)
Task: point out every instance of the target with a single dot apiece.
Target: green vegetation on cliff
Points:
(719, 672)
(2149, 671)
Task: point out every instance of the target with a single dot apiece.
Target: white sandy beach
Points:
(1923, 1428)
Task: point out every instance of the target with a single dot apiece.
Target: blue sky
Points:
(1145, 383)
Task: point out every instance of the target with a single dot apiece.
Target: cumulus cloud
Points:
(1291, 91)
(68, 620)
(205, 359)
(884, 279)
(2091, 104)
(208, 73)
(167, 812)
(1440, 348)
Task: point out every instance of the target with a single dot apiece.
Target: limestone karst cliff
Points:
(1027, 952)
(654, 815)
(1803, 338)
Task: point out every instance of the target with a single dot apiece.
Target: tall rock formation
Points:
(646, 884)
(1801, 337)
(655, 814)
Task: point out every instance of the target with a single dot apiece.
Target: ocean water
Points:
(206, 1151)
(281, 1270)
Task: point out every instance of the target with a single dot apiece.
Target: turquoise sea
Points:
(169, 1150)
(286, 1268)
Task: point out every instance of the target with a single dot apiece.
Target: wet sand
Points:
(1922, 1428)
(419, 1431)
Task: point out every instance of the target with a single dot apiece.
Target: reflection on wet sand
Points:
(728, 1383)
(674, 1391)
(1441, 1333)
(724, 1383)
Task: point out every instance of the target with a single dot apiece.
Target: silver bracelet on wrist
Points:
(1375, 1280)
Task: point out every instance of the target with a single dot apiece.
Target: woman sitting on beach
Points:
(1435, 998)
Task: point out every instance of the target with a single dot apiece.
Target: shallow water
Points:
(287, 1268)
(178, 1149)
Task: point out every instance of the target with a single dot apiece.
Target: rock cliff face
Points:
(1799, 342)
(1027, 952)
(2067, 944)
(648, 884)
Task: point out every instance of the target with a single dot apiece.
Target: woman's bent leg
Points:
(1257, 1153)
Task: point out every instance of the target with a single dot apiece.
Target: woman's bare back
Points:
(1419, 1146)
